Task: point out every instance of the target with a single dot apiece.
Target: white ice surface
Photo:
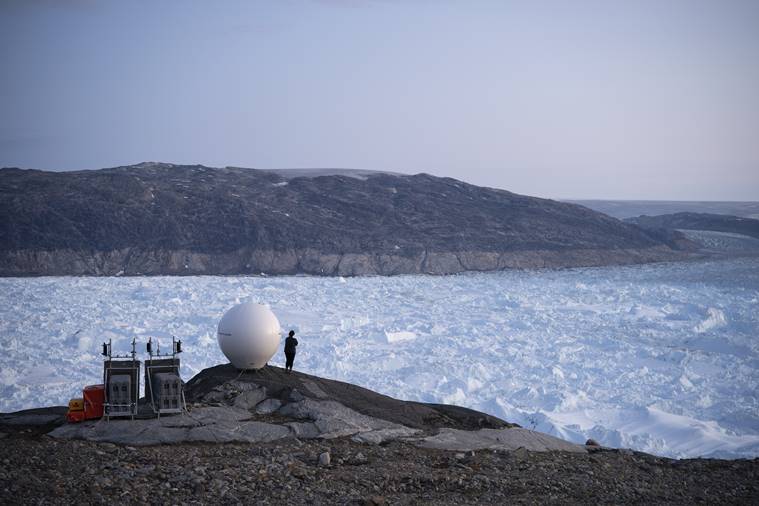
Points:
(660, 358)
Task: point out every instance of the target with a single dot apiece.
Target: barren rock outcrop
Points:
(151, 219)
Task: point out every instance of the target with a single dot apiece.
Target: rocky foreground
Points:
(37, 469)
(307, 440)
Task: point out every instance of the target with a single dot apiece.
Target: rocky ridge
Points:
(267, 405)
(699, 221)
(155, 218)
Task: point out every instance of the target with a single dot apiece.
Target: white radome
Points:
(249, 335)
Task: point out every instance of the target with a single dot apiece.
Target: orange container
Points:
(75, 416)
(94, 397)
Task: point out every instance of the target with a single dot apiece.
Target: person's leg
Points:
(289, 362)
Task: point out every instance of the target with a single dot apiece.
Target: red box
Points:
(75, 416)
(94, 398)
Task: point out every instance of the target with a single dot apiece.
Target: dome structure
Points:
(249, 335)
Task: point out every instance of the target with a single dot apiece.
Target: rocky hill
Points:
(632, 208)
(700, 221)
(229, 406)
(155, 218)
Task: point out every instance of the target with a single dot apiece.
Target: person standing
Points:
(290, 344)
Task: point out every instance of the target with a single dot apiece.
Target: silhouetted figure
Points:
(290, 344)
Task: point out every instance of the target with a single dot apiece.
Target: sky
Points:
(607, 99)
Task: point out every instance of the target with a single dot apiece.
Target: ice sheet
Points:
(661, 358)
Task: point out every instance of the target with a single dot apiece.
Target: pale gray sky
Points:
(644, 99)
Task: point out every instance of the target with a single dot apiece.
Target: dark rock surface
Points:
(279, 384)
(39, 469)
(165, 219)
(700, 221)
(230, 406)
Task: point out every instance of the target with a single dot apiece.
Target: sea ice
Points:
(661, 358)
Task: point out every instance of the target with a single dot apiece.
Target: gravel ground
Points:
(37, 469)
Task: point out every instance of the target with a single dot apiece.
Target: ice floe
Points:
(661, 358)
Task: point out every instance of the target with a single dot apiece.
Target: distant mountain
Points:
(632, 208)
(700, 221)
(156, 218)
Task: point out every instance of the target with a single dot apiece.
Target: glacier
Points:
(660, 358)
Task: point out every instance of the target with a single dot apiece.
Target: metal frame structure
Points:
(128, 366)
(168, 364)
